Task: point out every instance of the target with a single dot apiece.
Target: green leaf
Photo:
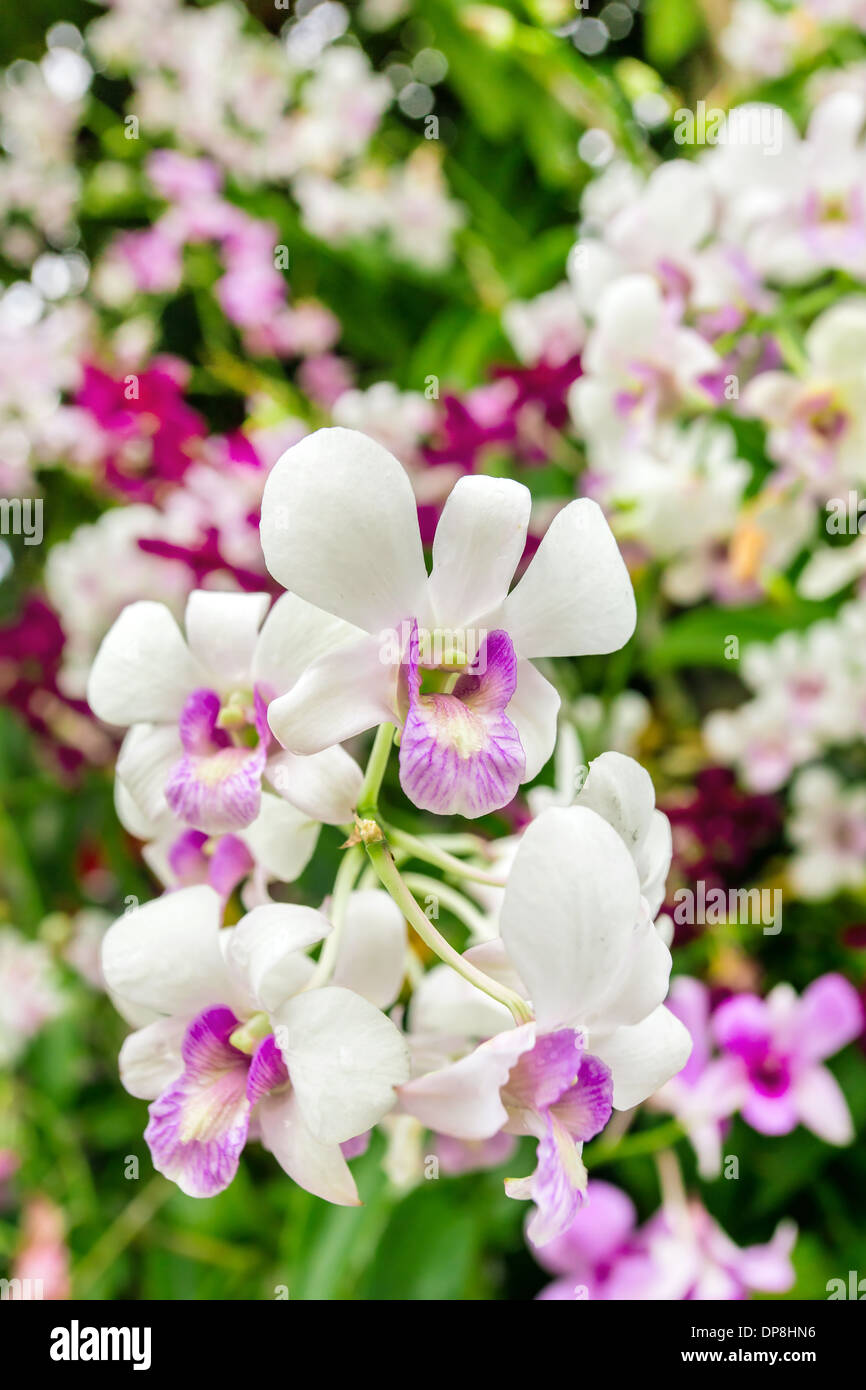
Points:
(671, 29)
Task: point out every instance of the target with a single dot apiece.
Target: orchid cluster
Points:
(432, 571)
(234, 759)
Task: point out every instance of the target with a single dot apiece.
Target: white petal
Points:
(266, 951)
(837, 338)
(621, 791)
(576, 597)
(150, 1058)
(325, 786)
(147, 755)
(478, 544)
(318, 1168)
(281, 838)
(643, 981)
(492, 957)
(444, 1003)
(144, 670)
(130, 814)
(156, 856)
(533, 709)
(569, 911)
(654, 861)
(166, 955)
(221, 629)
(340, 528)
(372, 957)
(344, 1059)
(293, 636)
(644, 1057)
(630, 315)
(463, 1099)
(350, 690)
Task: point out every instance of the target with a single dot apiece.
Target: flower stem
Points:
(350, 867)
(649, 1141)
(432, 854)
(461, 907)
(368, 800)
(390, 878)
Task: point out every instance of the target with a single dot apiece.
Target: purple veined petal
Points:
(230, 862)
(604, 1224)
(187, 859)
(546, 1073)
(492, 679)
(460, 753)
(218, 793)
(463, 1098)
(198, 724)
(198, 1125)
(267, 1070)
(586, 1108)
(557, 1186)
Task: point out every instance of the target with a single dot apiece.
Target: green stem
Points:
(432, 854)
(461, 907)
(133, 1219)
(347, 874)
(368, 801)
(389, 876)
(650, 1141)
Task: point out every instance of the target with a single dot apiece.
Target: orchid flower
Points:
(197, 752)
(579, 941)
(339, 527)
(232, 1030)
(640, 365)
(780, 1043)
(709, 1089)
(681, 1253)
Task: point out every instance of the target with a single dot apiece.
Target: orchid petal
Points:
(144, 670)
(339, 527)
(569, 912)
(576, 596)
(478, 544)
(344, 1058)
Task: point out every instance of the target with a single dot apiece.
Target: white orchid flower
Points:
(197, 751)
(578, 942)
(232, 1031)
(339, 527)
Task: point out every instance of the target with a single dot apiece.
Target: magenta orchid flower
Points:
(681, 1253)
(709, 1089)
(780, 1043)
